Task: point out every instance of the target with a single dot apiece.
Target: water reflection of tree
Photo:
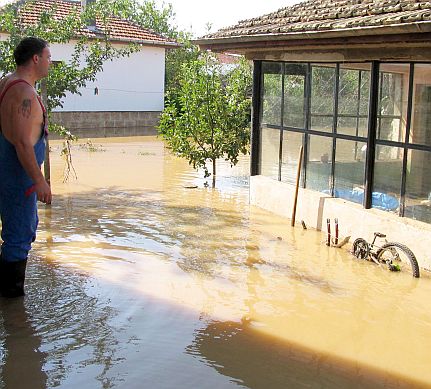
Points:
(194, 236)
(71, 326)
(200, 238)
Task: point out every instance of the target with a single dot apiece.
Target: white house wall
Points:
(134, 83)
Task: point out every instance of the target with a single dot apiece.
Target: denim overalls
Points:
(18, 208)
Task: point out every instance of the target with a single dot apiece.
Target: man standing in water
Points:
(23, 131)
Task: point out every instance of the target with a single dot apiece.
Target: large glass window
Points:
(421, 121)
(292, 142)
(271, 117)
(272, 89)
(350, 170)
(393, 96)
(418, 188)
(388, 168)
(353, 99)
(294, 95)
(319, 164)
(270, 146)
(322, 97)
(332, 124)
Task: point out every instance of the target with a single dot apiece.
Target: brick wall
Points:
(107, 124)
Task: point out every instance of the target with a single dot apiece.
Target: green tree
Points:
(210, 119)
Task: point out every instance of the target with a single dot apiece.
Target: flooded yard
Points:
(140, 280)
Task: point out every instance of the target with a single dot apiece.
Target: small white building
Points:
(128, 96)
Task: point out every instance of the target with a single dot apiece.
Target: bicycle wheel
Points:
(399, 258)
(361, 249)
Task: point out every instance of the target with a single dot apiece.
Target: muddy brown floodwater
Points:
(137, 281)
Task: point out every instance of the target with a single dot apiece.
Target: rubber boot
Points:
(12, 277)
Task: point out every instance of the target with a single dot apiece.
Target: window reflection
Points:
(418, 189)
(322, 98)
(272, 89)
(387, 178)
(284, 94)
(319, 165)
(270, 146)
(349, 170)
(353, 99)
(292, 142)
(294, 96)
(393, 97)
(421, 118)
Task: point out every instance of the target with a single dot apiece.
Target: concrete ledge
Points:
(107, 124)
(315, 207)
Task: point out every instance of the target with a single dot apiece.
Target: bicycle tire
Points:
(399, 254)
(361, 248)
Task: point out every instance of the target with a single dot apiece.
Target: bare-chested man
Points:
(23, 131)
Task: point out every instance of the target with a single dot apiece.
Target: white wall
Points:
(134, 83)
(354, 221)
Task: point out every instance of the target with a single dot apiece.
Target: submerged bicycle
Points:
(397, 256)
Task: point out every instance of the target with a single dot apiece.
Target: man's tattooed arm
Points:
(25, 108)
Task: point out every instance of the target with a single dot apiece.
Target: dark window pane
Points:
(294, 96)
(387, 178)
(350, 170)
(272, 88)
(352, 126)
(270, 147)
(348, 94)
(363, 127)
(420, 131)
(348, 125)
(319, 163)
(390, 129)
(365, 92)
(322, 123)
(292, 142)
(393, 96)
(322, 98)
(418, 186)
(353, 99)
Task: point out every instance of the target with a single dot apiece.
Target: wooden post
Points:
(46, 164)
(298, 175)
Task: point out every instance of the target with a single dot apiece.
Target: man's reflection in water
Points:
(22, 361)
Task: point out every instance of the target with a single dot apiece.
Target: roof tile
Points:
(313, 15)
(119, 29)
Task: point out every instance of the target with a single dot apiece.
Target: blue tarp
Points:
(379, 200)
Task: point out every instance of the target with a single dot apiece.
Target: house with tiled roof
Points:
(350, 82)
(128, 96)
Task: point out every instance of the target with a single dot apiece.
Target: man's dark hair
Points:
(27, 48)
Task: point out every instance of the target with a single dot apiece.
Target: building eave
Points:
(240, 43)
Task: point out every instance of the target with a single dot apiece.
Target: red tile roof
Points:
(120, 30)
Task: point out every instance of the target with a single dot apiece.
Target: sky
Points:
(194, 15)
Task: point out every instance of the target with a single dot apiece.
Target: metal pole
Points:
(298, 175)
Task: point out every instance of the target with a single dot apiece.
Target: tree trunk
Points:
(214, 172)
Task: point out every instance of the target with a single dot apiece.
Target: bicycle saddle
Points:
(379, 235)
